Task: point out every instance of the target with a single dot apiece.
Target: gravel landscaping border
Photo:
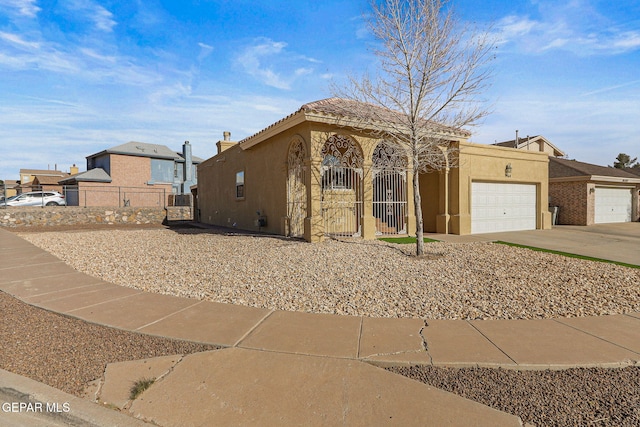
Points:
(595, 397)
(68, 353)
(352, 277)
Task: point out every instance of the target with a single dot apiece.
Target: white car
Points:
(36, 198)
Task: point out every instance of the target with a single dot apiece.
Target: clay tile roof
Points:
(341, 107)
(346, 108)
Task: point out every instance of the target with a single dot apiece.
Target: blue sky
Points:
(79, 76)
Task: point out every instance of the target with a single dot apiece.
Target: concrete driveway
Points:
(615, 242)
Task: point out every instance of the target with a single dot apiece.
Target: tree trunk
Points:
(417, 204)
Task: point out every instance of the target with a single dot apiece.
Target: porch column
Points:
(313, 224)
(367, 220)
(442, 221)
(411, 211)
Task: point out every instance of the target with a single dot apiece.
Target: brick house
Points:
(590, 194)
(133, 174)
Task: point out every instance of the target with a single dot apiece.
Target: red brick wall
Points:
(573, 200)
(129, 177)
(130, 171)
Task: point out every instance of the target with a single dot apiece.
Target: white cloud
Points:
(19, 41)
(91, 53)
(205, 50)
(575, 26)
(265, 57)
(92, 12)
(627, 40)
(26, 8)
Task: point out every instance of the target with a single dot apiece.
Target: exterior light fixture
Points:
(507, 170)
(592, 190)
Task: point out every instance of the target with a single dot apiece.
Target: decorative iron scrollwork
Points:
(389, 156)
(342, 152)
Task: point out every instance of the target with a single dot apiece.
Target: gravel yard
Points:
(377, 279)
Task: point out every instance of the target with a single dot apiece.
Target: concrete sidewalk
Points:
(301, 368)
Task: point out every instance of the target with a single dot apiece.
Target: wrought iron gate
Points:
(296, 189)
(342, 191)
(390, 189)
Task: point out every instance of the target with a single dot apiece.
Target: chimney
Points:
(73, 170)
(226, 142)
(188, 168)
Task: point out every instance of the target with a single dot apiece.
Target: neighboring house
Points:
(34, 179)
(310, 176)
(135, 174)
(10, 188)
(533, 143)
(590, 194)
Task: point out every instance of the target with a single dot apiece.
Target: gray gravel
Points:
(68, 353)
(573, 397)
(370, 278)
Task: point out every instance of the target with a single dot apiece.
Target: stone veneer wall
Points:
(73, 215)
(179, 213)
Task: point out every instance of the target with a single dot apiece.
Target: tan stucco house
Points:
(533, 143)
(310, 175)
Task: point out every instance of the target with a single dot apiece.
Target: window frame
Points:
(240, 185)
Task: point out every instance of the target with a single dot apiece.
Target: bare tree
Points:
(432, 71)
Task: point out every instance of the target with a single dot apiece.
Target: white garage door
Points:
(502, 207)
(613, 205)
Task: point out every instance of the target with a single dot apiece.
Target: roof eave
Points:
(598, 178)
(276, 128)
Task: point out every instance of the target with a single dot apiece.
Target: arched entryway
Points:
(390, 166)
(296, 188)
(342, 192)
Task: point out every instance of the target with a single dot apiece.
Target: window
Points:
(175, 170)
(240, 185)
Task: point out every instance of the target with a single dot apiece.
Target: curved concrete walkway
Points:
(301, 368)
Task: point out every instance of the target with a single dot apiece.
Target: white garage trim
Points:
(613, 205)
(503, 207)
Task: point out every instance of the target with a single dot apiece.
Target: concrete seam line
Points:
(359, 338)
(488, 339)
(595, 336)
(250, 331)
(165, 317)
(98, 303)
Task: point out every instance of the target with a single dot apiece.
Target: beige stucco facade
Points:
(277, 181)
(481, 163)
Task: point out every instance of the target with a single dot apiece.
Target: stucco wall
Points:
(265, 184)
(482, 163)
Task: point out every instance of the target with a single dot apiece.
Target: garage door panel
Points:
(502, 207)
(613, 205)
